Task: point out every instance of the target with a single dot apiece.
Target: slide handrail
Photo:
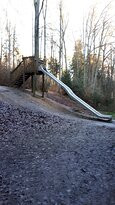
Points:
(75, 97)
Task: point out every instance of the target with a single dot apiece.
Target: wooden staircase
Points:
(21, 80)
(23, 71)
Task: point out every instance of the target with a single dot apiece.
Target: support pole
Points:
(23, 74)
(33, 83)
(43, 85)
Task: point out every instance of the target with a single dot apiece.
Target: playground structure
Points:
(27, 68)
(33, 66)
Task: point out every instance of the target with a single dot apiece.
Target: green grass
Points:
(110, 113)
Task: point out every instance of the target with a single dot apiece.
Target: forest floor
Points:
(50, 156)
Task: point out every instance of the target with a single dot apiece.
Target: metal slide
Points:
(75, 97)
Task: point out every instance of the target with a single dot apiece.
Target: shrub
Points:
(66, 78)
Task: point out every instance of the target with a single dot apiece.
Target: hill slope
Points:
(52, 158)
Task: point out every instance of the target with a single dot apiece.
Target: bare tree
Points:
(62, 42)
(60, 39)
(96, 39)
(44, 18)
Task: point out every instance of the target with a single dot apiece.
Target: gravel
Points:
(46, 159)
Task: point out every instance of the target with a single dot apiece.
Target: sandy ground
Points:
(49, 156)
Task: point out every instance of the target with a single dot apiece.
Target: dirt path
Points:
(53, 158)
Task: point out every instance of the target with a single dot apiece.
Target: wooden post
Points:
(23, 74)
(33, 83)
(43, 85)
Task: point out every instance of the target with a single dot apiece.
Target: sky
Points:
(21, 13)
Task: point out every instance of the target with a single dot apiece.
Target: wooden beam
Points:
(23, 74)
(33, 83)
(43, 85)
